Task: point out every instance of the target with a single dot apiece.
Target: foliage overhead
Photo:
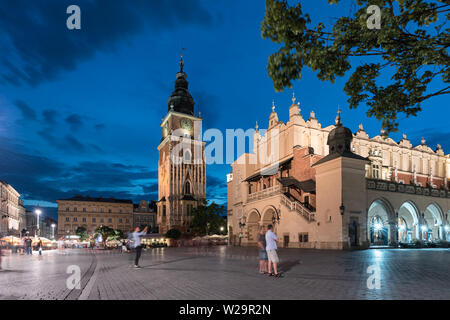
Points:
(410, 48)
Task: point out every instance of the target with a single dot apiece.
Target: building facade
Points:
(181, 166)
(91, 213)
(144, 214)
(325, 187)
(10, 209)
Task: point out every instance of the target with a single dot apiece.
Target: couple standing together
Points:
(268, 256)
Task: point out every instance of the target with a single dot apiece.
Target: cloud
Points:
(38, 46)
(49, 116)
(73, 143)
(439, 135)
(27, 112)
(209, 106)
(99, 127)
(216, 189)
(75, 121)
(44, 179)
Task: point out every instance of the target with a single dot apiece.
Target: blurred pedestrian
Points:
(137, 235)
(262, 251)
(39, 246)
(28, 245)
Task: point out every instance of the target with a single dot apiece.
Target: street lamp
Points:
(38, 213)
(342, 209)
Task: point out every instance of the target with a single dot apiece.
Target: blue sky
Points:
(80, 110)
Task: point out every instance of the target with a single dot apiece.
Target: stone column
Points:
(393, 232)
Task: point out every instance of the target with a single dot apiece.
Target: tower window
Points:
(187, 188)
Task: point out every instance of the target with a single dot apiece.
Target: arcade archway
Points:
(253, 227)
(408, 222)
(378, 223)
(433, 226)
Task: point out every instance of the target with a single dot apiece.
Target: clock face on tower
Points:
(186, 124)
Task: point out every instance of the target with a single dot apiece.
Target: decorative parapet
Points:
(390, 186)
(264, 193)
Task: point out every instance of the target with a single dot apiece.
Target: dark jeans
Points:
(28, 250)
(138, 255)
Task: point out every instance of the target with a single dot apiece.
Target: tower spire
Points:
(338, 118)
(181, 63)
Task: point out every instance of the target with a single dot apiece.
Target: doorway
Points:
(286, 241)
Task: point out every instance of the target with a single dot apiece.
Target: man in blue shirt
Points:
(271, 248)
(136, 238)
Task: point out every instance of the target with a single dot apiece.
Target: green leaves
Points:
(411, 47)
(208, 219)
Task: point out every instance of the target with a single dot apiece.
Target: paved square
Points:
(228, 273)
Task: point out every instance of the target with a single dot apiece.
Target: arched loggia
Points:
(433, 223)
(408, 222)
(379, 219)
(253, 226)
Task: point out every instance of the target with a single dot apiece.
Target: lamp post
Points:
(38, 213)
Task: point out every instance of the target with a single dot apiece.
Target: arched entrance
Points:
(252, 227)
(433, 222)
(408, 222)
(378, 223)
(269, 216)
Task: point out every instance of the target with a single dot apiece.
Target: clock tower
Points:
(181, 166)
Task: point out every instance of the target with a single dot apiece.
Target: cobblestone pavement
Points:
(228, 273)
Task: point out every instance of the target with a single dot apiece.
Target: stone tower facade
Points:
(181, 167)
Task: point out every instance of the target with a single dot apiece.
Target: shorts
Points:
(262, 255)
(273, 256)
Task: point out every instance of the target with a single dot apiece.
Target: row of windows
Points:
(303, 237)
(110, 220)
(94, 210)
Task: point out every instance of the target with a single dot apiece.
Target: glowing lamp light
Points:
(402, 228)
(424, 228)
(446, 228)
(38, 211)
(378, 226)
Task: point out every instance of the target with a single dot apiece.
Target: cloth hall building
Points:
(329, 188)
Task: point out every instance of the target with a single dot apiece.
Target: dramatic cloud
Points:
(434, 137)
(216, 189)
(27, 112)
(37, 46)
(43, 179)
(49, 116)
(75, 121)
(209, 106)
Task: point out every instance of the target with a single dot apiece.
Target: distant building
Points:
(10, 208)
(45, 226)
(91, 213)
(144, 214)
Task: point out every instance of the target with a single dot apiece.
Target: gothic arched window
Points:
(187, 188)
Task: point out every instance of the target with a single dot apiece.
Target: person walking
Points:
(39, 246)
(136, 236)
(28, 245)
(262, 251)
(271, 248)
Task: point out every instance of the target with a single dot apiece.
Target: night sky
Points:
(80, 110)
